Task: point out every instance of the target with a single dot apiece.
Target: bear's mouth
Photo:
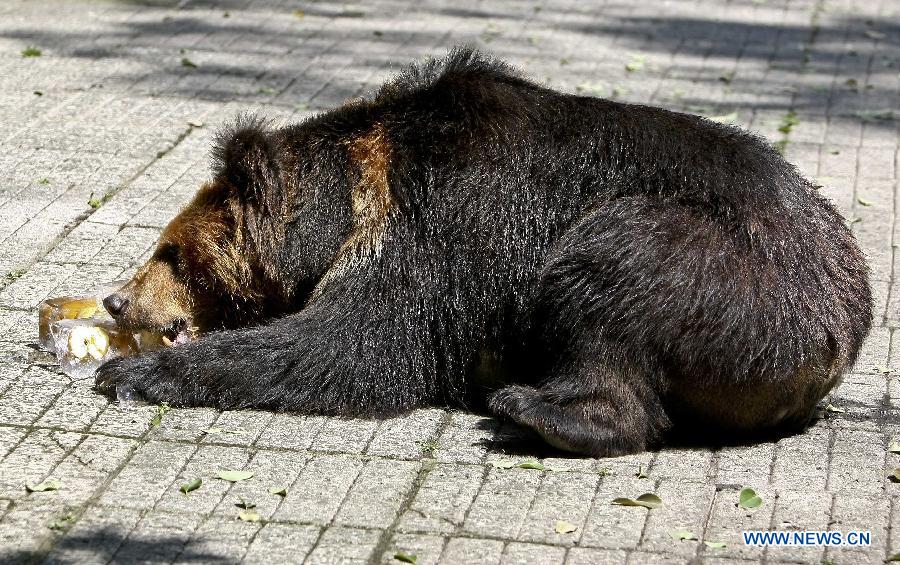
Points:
(179, 332)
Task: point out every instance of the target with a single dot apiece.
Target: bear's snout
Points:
(116, 304)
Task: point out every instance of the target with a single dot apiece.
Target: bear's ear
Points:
(244, 156)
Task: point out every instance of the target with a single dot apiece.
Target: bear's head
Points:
(216, 265)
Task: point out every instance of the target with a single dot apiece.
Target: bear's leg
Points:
(599, 405)
(354, 351)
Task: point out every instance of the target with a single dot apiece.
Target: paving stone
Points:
(282, 543)
(443, 499)
(321, 488)
(469, 550)
(427, 549)
(147, 475)
(375, 498)
(344, 545)
(161, 537)
(112, 118)
(500, 508)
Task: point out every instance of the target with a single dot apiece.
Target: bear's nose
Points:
(115, 304)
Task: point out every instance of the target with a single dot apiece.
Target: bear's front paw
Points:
(127, 376)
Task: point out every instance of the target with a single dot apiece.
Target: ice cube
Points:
(82, 345)
(63, 308)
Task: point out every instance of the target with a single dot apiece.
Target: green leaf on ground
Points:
(715, 544)
(531, 464)
(864, 202)
(564, 527)
(63, 522)
(788, 122)
(159, 412)
(185, 62)
(234, 476)
(31, 51)
(45, 485)
(647, 500)
(749, 499)
(268, 91)
(248, 515)
(191, 485)
(682, 535)
(278, 491)
(15, 274)
(636, 63)
(45, 181)
(406, 557)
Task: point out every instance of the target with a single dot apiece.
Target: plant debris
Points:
(647, 500)
(234, 476)
(748, 499)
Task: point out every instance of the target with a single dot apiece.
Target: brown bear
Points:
(599, 272)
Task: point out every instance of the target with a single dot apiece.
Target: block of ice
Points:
(82, 345)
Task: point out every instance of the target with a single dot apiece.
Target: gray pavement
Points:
(119, 109)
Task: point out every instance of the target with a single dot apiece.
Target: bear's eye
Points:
(169, 253)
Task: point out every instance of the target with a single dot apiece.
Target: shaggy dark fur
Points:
(627, 267)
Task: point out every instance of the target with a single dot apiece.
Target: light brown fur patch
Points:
(371, 202)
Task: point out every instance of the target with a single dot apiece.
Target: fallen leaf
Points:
(216, 430)
(195, 123)
(636, 63)
(640, 472)
(863, 202)
(161, 411)
(894, 446)
(234, 476)
(45, 485)
(242, 503)
(191, 486)
(278, 491)
(299, 13)
(647, 500)
(31, 51)
(531, 464)
(682, 535)
(406, 557)
(249, 515)
(63, 522)
(749, 499)
(564, 527)
(715, 544)
(895, 475)
(894, 557)
(834, 409)
(185, 62)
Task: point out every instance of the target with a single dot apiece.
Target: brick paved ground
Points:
(121, 105)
